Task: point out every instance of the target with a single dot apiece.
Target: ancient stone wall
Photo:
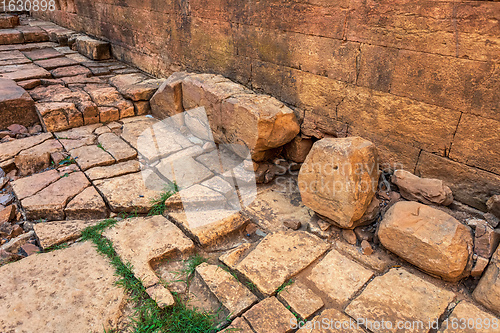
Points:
(419, 78)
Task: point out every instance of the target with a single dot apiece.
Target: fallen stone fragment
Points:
(7, 213)
(142, 241)
(428, 238)
(91, 156)
(161, 296)
(297, 149)
(6, 199)
(280, 256)
(229, 291)
(339, 179)
(339, 277)
(115, 146)
(366, 248)
(349, 236)
(269, 316)
(479, 266)
(15, 244)
(114, 170)
(86, 205)
(486, 239)
(209, 227)
(49, 203)
(16, 231)
(128, 193)
(468, 313)
(301, 299)
(78, 271)
(426, 190)
(292, 224)
(487, 291)
(30, 249)
(93, 48)
(400, 296)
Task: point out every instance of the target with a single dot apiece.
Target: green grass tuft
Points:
(159, 202)
(284, 285)
(56, 247)
(192, 263)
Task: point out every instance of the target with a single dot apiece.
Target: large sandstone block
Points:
(339, 179)
(167, 100)
(93, 48)
(16, 105)
(428, 238)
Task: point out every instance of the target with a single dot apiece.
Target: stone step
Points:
(8, 21)
(93, 48)
(16, 104)
(23, 34)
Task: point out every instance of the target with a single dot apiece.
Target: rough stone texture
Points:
(16, 104)
(339, 179)
(115, 146)
(142, 241)
(91, 156)
(469, 313)
(486, 238)
(399, 295)
(49, 203)
(425, 190)
(127, 193)
(93, 48)
(25, 187)
(210, 226)
(297, 149)
(59, 116)
(110, 97)
(161, 296)
(269, 316)
(428, 238)
(10, 149)
(238, 325)
(339, 277)
(487, 291)
(77, 273)
(493, 205)
(137, 87)
(114, 170)
(57, 232)
(228, 290)
(280, 256)
(330, 315)
(301, 299)
(86, 205)
(36, 158)
(167, 100)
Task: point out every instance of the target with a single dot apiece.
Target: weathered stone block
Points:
(93, 48)
(16, 105)
(428, 238)
(167, 100)
(339, 179)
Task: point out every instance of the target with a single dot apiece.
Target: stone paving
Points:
(271, 259)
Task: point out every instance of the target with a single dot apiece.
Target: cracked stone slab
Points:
(86, 205)
(114, 170)
(142, 241)
(238, 325)
(399, 295)
(209, 227)
(58, 232)
(270, 316)
(339, 277)
(91, 156)
(474, 318)
(10, 149)
(331, 316)
(118, 148)
(134, 127)
(50, 202)
(128, 193)
(280, 256)
(229, 291)
(27, 186)
(301, 299)
(75, 292)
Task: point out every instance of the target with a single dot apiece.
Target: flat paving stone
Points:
(234, 256)
(196, 197)
(468, 318)
(43, 54)
(339, 277)
(91, 156)
(27, 74)
(142, 241)
(378, 261)
(399, 296)
(50, 202)
(210, 227)
(136, 126)
(75, 292)
(114, 170)
(55, 63)
(10, 149)
(183, 170)
(128, 193)
(238, 325)
(118, 148)
(229, 291)
(280, 256)
(86, 205)
(57, 232)
(331, 320)
(270, 316)
(70, 71)
(301, 299)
